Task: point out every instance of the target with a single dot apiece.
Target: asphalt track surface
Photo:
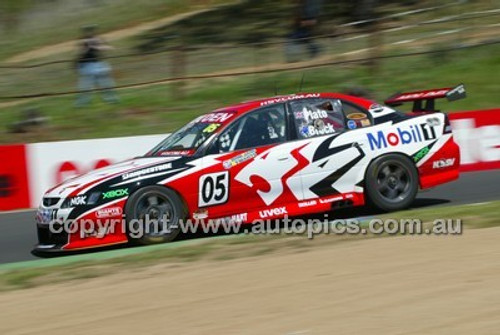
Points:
(18, 233)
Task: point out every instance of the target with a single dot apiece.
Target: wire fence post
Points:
(178, 70)
(375, 41)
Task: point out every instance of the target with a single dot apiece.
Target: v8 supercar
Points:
(287, 155)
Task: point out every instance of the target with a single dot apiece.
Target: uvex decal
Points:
(272, 212)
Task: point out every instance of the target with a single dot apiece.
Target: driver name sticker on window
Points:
(327, 129)
(310, 115)
(213, 189)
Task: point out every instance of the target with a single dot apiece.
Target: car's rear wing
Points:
(428, 96)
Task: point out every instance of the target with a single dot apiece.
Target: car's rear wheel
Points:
(391, 182)
(153, 215)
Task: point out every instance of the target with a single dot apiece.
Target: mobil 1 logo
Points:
(213, 189)
(401, 136)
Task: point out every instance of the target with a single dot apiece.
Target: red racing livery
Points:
(288, 155)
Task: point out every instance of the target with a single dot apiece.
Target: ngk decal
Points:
(410, 134)
(78, 201)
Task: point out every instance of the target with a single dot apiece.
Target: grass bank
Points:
(44, 23)
(153, 109)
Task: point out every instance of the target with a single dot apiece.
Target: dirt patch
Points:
(411, 285)
(111, 36)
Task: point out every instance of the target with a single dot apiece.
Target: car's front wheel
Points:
(153, 215)
(391, 182)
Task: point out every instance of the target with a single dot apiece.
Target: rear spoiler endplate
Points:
(428, 96)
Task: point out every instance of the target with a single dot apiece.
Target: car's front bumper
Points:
(49, 241)
(58, 232)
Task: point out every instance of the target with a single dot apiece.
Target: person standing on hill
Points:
(92, 70)
(305, 20)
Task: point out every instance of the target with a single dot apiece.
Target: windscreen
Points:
(188, 139)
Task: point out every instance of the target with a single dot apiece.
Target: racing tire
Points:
(153, 214)
(391, 183)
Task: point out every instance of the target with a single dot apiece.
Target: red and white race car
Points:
(288, 155)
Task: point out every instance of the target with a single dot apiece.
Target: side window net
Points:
(263, 127)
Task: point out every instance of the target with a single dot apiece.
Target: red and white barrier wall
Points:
(478, 135)
(27, 171)
(14, 184)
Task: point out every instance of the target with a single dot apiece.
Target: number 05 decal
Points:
(214, 189)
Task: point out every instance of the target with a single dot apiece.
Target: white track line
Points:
(480, 203)
(18, 211)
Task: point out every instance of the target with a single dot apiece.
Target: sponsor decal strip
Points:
(92, 184)
(443, 163)
(142, 177)
(289, 98)
(147, 171)
(239, 159)
(95, 209)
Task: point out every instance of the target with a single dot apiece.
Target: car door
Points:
(333, 150)
(256, 163)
